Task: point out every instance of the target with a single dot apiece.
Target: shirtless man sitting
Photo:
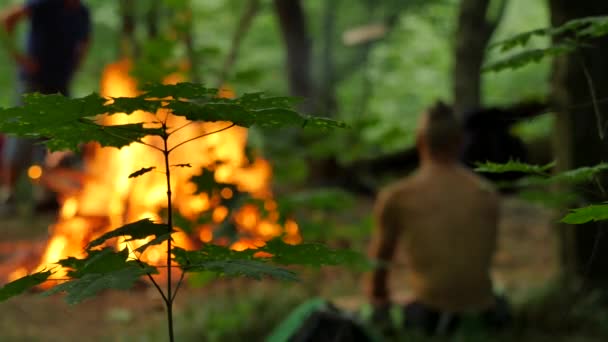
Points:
(446, 219)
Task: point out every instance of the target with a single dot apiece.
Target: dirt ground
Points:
(526, 259)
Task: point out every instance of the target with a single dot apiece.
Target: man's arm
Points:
(383, 248)
(9, 19)
(12, 16)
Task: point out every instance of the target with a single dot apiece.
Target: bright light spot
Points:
(219, 214)
(34, 172)
(206, 234)
(226, 193)
(69, 208)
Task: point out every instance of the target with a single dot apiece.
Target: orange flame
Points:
(109, 199)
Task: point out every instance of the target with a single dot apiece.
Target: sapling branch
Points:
(596, 108)
(152, 280)
(162, 293)
(179, 284)
(201, 136)
(181, 127)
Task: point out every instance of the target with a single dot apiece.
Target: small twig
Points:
(179, 284)
(148, 274)
(165, 299)
(181, 127)
(596, 108)
(200, 136)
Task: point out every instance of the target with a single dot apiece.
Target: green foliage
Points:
(532, 130)
(23, 284)
(250, 263)
(513, 166)
(91, 284)
(571, 177)
(136, 230)
(100, 270)
(142, 171)
(594, 212)
(311, 254)
(577, 32)
(538, 174)
(534, 185)
(228, 262)
(524, 58)
(66, 123)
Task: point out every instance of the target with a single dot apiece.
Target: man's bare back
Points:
(444, 219)
(447, 218)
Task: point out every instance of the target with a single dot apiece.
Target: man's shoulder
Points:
(480, 184)
(404, 184)
(399, 191)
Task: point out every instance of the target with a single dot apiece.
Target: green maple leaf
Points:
(311, 254)
(23, 284)
(92, 283)
(228, 262)
(595, 212)
(137, 230)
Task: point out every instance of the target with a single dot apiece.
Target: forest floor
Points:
(525, 264)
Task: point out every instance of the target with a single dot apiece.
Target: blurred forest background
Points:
(375, 64)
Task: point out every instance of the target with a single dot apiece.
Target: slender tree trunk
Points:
(292, 21)
(128, 42)
(327, 93)
(244, 24)
(153, 18)
(475, 28)
(577, 141)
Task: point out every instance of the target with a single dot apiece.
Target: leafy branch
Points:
(68, 123)
(576, 33)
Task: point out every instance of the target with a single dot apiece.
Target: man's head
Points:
(439, 136)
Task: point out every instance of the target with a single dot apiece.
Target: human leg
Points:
(16, 156)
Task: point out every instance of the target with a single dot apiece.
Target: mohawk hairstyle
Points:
(443, 131)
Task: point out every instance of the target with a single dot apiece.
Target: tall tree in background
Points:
(292, 21)
(477, 21)
(585, 248)
(128, 41)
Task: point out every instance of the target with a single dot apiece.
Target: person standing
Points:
(57, 41)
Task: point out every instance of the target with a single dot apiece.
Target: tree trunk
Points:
(292, 22)
(153, 18)
(128, 42)
(475, 28)
(577, 141)
(327, 89)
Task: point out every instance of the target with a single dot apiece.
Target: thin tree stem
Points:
(152, 280)
(169, 301)
(200, 136)
(181, 127)
(596, 109)
(179, 284)
(165, 299)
